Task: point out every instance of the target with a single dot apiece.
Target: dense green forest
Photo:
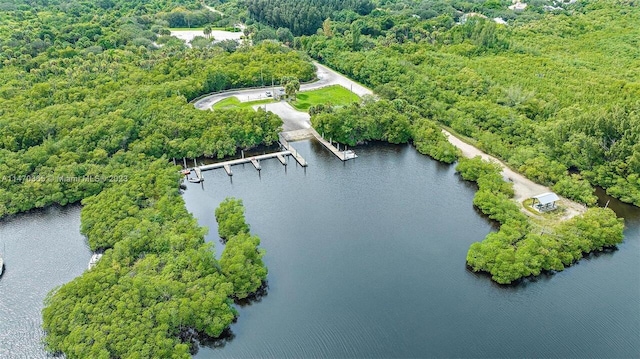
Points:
(241, 260)
(67, 111)
(303, 17)
(552, 97)
(91, 109)
(447, 75)
(158, 288)
(390, 121)
(154, 289)
(94, 105)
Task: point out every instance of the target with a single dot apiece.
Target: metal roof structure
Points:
(546, 198)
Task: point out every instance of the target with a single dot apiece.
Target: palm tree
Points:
(291, 88)
(207, 31)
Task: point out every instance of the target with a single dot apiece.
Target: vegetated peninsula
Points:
(553, 94)
(87, 96)
(94, 105)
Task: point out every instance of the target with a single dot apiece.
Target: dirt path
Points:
(212, 9)
(523, 187)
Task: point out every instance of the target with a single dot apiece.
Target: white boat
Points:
(1, 265)
(94, 260)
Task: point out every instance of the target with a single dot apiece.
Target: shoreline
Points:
(523, 187)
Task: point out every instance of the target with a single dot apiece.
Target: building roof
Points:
(499, 20)
(518, 6)
(546, 198)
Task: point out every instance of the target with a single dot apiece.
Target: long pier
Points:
(255, 160)
(288, 150)
(343, 155)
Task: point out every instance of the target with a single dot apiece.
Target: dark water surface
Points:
(41, 250)
(367, 259)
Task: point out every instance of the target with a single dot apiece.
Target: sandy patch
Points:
(218, 35)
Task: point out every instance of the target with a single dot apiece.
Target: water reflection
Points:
(43, 249)
(366, 260)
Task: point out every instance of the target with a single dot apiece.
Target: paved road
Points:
(326, 77)
(292, 119)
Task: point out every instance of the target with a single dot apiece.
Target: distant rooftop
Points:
(518, 6)
(499, 20)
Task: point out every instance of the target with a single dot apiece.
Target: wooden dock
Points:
(255, 164)
(287, 146)
(343, 155)
(282, 159)
(199, 178)
(288, 150)
(254, 160)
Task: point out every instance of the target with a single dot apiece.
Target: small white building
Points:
(499, 20)
(545, 202)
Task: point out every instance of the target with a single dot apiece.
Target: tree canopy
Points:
(94, 105)
(302, 17)
(551, 93)
(390, 121)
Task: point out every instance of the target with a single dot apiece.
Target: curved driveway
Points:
(326, 77)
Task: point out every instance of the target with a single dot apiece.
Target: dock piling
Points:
(256, 163)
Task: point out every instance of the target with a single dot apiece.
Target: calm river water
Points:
(42, 250)
(366, 259)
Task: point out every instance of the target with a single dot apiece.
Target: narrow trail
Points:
(212, 9)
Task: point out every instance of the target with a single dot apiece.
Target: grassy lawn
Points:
(233, 102)
(194, 28)
(335, 95)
